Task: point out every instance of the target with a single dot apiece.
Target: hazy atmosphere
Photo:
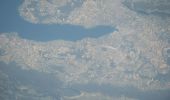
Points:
(85, 50)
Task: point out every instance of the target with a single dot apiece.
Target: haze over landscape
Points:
(85, 50)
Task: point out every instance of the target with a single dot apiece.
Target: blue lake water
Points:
(10, 21)
(44, 83)
(127, 91)
(48, 84)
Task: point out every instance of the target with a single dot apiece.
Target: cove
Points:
(146, 8)
(12, 22)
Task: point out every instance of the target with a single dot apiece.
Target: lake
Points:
(47, 84)
(11, 21)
